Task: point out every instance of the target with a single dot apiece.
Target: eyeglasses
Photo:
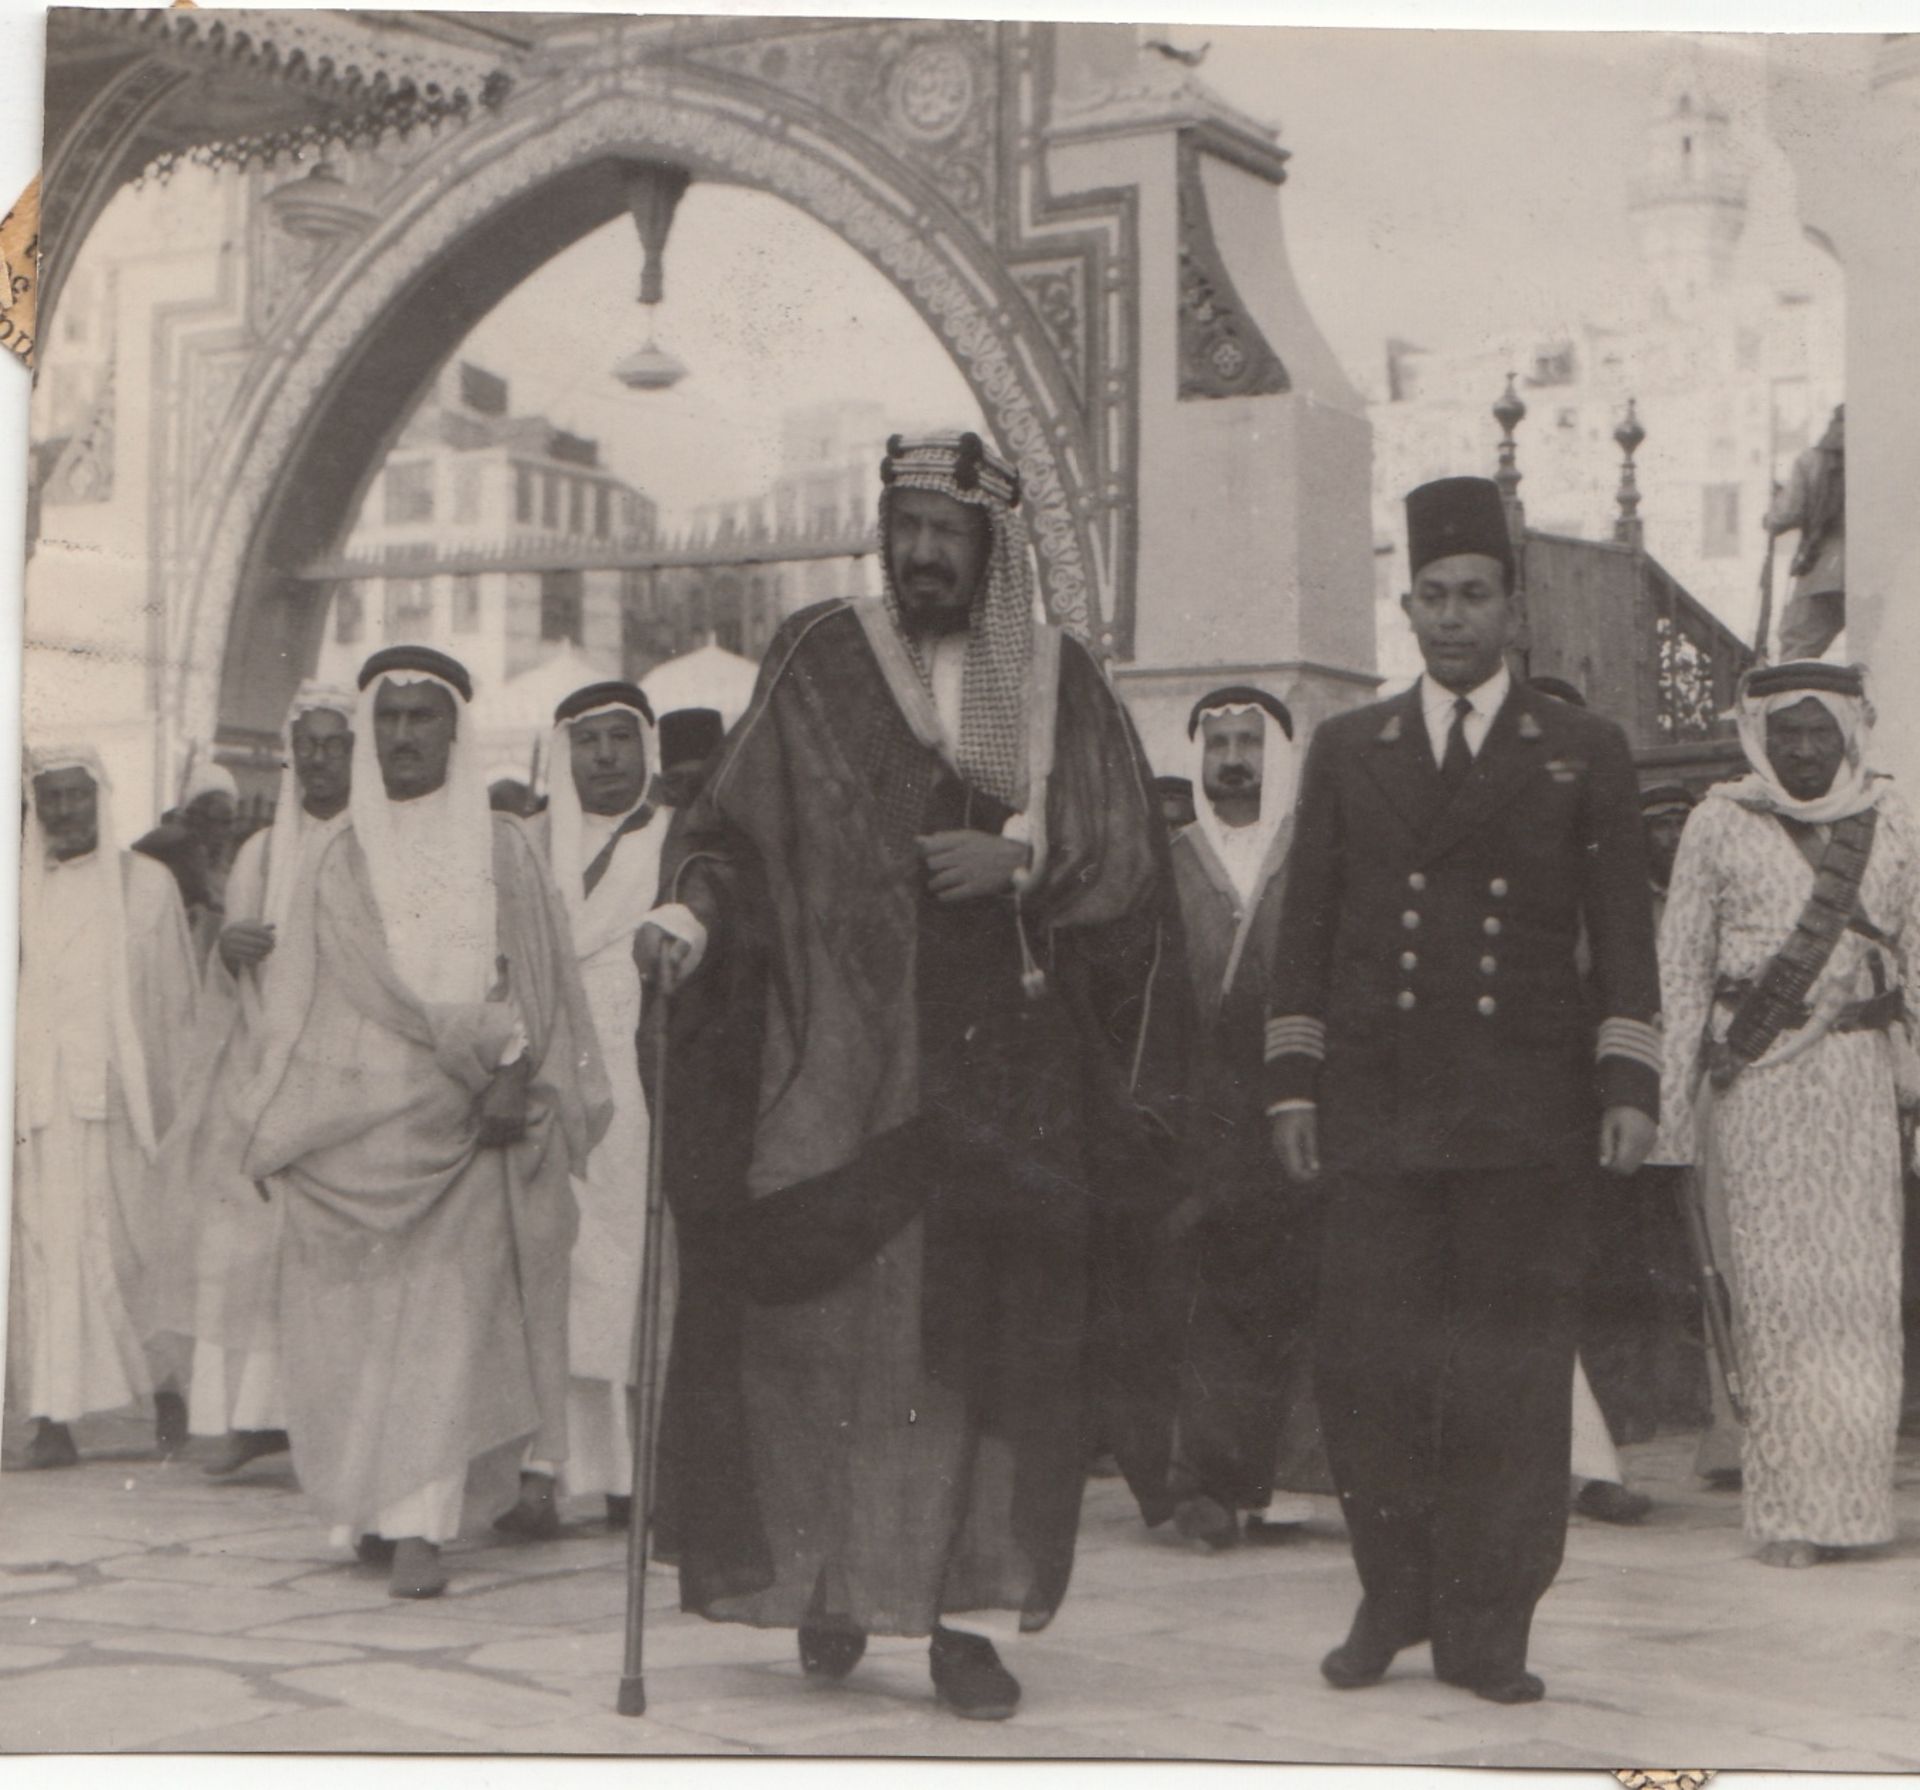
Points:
(335, 749)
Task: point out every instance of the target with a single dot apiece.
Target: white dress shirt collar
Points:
(1436, 705)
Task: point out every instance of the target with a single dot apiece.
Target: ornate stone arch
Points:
(472, 219)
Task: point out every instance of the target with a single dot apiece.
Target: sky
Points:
(1441, 184)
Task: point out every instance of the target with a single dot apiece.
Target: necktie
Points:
(1458, 761)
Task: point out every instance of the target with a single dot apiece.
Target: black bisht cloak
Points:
(856, 1060)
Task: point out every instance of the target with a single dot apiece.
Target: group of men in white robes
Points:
(361, 1212)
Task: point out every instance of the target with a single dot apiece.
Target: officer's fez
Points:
(1463, 515)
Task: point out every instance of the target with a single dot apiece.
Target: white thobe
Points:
(88, 1239)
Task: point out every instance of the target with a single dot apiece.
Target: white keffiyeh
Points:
(430, 859)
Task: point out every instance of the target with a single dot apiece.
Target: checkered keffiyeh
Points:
(992, 747)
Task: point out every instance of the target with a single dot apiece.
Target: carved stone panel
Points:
(926, 92)
(1223, 353)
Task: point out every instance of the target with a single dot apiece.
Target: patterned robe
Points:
(1807, 1144)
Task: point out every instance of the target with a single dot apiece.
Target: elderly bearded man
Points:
(106, 996)
(1433, 1035)
(1247, 1291)
(230, 1293)
(914, 1098)
(1792, 915)
(602, 840)
(429, 1078)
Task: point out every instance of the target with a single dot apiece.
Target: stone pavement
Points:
(143, 1607)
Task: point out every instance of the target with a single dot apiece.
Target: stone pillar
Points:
(1255, 546)
(1847, 112)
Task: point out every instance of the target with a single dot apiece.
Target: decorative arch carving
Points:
(482, 210)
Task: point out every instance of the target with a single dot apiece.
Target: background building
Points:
(477, 535)
(1728, 336)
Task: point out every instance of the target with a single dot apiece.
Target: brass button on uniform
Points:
(1491, 926)
(1486, 1004)
(1488, 965)
(1497, 887)
(1408, 960)
(1406, 999)
(1416, 882)
(1410, 920)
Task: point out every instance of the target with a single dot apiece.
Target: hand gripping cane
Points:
(643, 1401)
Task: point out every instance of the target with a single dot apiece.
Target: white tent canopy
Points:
(513, 716)
(709, 677)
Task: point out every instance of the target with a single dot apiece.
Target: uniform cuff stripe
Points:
(1634, 1039)
(1296, 1034)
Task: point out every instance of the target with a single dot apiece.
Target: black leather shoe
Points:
(1207, 1520)
(244, 1446)
(1606, 1501)
(1522, 1687)
(969, 1678)
(536, 1517)
(831, 1653)
(169, 1422)
(374, 1550)
(1352, 1667)
(619, 1511)
(52, 1446)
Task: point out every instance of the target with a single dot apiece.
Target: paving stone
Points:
(288, 1541)
(32, 1584)
(559, 1601)
(197, 1569)
(329, 1730)
(25, 1659)
(25, 1541)
(1658, 1644)
(946, 1736)
(150, 1603)
(396, 1627)
(340, 1587)
(465, 1704)
(685, 1642)
(231, 1650)
(114, 1708)
(617, 1735)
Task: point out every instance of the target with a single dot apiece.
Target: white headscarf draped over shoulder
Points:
(1279, 770)
(291, 822)
(564, 814)
(38, 894)
(430, 859)
(992, 749)
(1841, 691)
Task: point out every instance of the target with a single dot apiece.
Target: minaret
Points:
(1689, 201)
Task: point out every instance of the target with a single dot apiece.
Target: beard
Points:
(928, 615)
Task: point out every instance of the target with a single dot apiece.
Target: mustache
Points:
(1234, 774)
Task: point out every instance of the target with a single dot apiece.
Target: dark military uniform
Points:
(1426, 997)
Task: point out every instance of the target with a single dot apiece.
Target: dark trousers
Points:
(1247, 1300)
(1639, 1317)
(1444, 1351)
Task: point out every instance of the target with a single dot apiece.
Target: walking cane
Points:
(643, 1401)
